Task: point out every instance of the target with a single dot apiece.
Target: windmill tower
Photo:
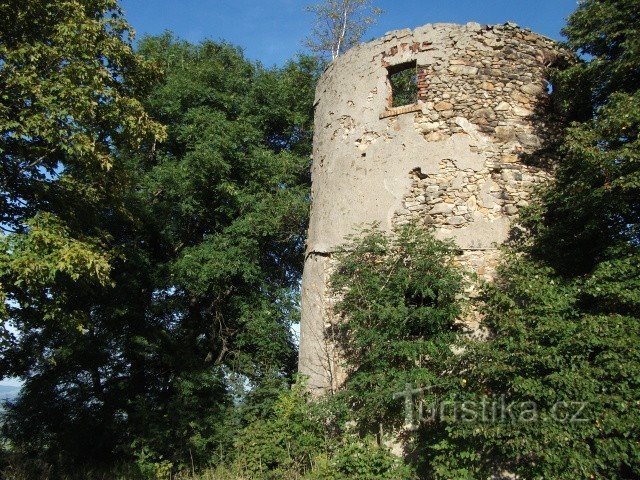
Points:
(445, 124)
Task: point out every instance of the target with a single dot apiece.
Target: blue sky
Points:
(273, 31)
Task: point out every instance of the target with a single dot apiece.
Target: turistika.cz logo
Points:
(488, 409)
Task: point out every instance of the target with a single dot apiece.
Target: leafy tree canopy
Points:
(148, 270)
(398, 304)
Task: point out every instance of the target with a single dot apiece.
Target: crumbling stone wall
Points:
(464, 157)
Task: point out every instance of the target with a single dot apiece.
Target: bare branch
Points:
(340, 25)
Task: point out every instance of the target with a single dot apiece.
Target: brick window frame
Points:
(422, 86)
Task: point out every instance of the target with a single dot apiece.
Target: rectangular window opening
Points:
(404, 84)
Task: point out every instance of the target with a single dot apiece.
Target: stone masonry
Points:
(463, 158)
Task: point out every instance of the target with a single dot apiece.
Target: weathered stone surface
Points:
(529, 140)
(521, 98)
(452, 160)
(505, 133)
(441, 208)
(456, 220)
(440, 106)
(522, 112)
(463, 69)
(532, 89)
(486, 113)
(510, 210)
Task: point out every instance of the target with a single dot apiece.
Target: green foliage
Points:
(404, 87)
(228, 195)
(593, 211)
(71, 99)
(398, 304)
(283, 442)
(361, 459)
(144, 276)
(34, 259)
(552, 341)
(295, 441)
(152, 468)
(71, 88)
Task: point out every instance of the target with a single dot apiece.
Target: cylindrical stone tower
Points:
(445, 124)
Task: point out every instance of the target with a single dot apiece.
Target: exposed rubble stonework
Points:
(464, 157)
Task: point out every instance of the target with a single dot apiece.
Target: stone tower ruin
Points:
(433, 124)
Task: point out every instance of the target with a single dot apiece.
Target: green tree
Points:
(398, 302)
(294, 440)
(340, 25)
(566, 349)
(593, 210)
(71, 99)
(226, 197)
(146, 271)
(71, 88)
(285, 441)
(564, 314)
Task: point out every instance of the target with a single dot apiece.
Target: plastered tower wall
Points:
(459, 158)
